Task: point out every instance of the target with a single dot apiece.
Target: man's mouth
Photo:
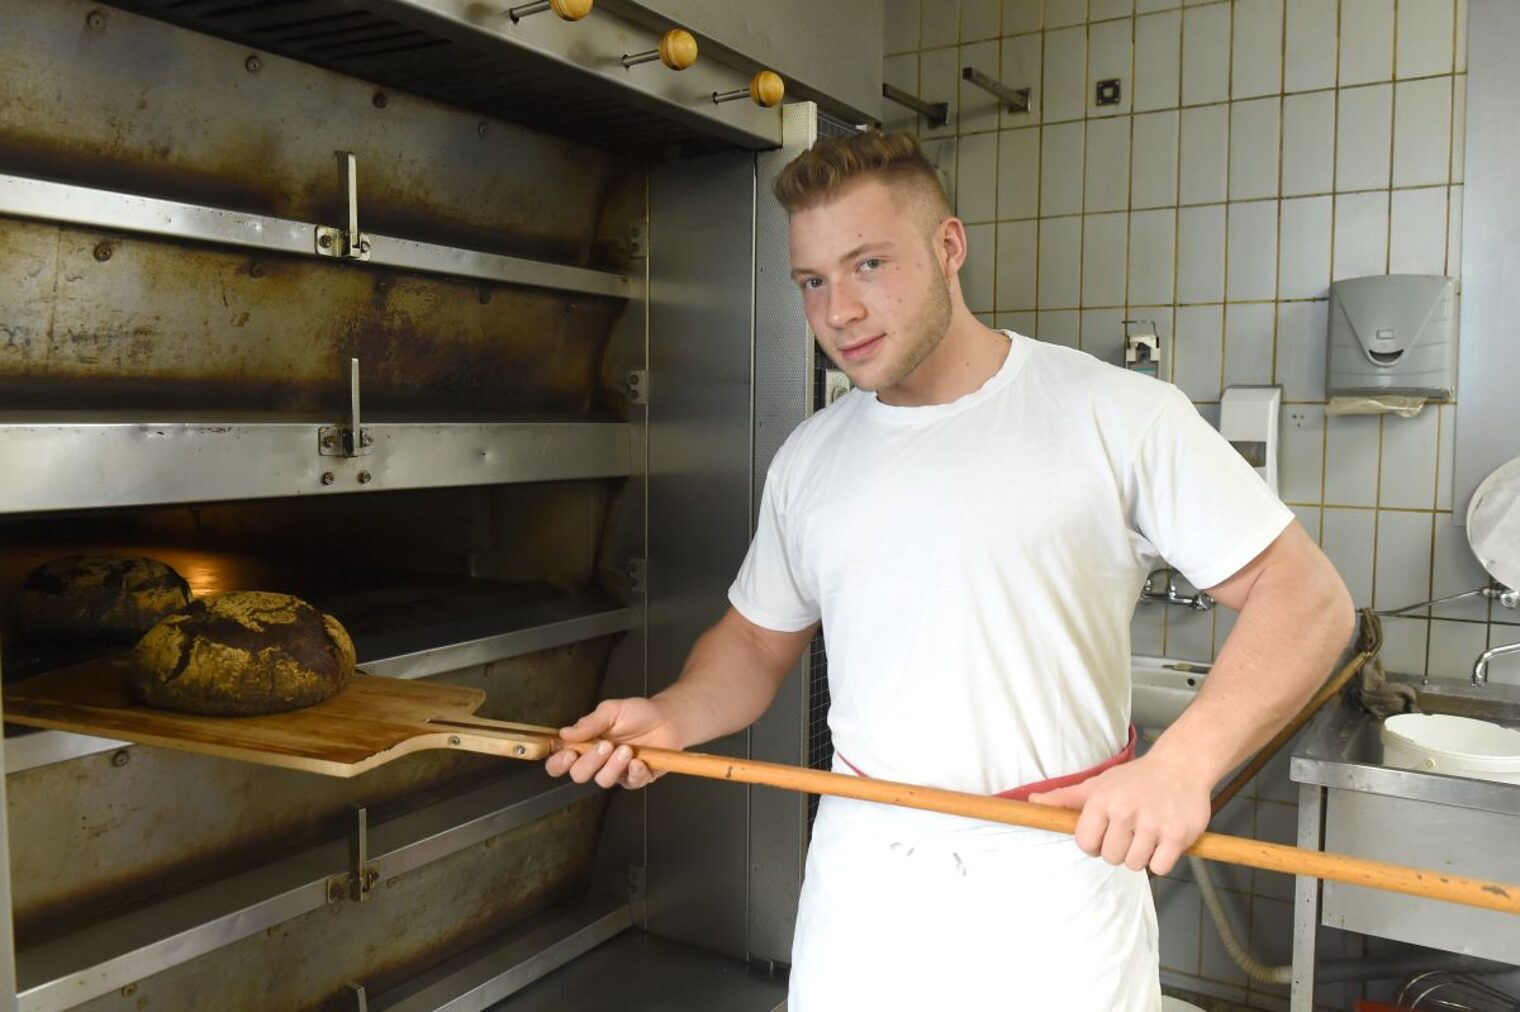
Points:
(860, 349)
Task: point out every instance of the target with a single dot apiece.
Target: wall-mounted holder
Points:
(766, 89)
(1016, 98)
(937, 113)
(346, 243)
(678, 50)
(566, 10)
(1142, 348)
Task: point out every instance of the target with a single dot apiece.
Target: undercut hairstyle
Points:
(832, 164)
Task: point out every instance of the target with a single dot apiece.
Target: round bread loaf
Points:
(97, 598)
(243, 653)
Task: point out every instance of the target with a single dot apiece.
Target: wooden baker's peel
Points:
(374, 720)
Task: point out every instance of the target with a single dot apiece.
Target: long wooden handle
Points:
(1211, 846)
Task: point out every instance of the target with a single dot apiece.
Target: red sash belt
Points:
(1124, 755)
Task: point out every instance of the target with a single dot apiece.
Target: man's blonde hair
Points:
(821, 172)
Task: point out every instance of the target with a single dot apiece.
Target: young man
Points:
(972, 526)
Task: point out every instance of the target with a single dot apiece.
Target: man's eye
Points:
(871, 263)
(812, 284)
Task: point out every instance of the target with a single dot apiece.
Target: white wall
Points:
(1261, 148)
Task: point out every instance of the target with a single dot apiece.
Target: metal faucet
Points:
(1480, 670)
(1199, 601)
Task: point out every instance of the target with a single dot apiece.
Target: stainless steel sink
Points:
(1351, 803)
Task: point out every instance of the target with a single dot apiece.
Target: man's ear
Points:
(950, 245)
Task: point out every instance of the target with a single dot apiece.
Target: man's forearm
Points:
(1293, 625)
(730, 678)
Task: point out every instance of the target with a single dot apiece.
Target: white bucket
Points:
(1459, 746)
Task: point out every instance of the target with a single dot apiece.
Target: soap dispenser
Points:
(1248, 418)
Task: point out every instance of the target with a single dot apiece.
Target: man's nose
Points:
(844, 307)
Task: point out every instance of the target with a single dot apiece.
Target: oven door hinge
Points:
(356, 883)
(347, 242)
(350, 439)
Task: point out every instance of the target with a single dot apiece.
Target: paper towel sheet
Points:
(1375, 404)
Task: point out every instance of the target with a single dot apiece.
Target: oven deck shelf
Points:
(133, 459)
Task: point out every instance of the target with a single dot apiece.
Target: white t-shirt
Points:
(976, 564)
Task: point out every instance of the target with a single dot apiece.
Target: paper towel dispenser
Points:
(1393, 334)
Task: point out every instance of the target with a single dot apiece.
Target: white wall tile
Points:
(1301, 463)
(1146, 638)
(1200, 254)
(1308, 143)
(1158, 55)
(1018, 184)
(1153, 165)
(1403, 559)
(1444, 453)
(1455, 648)
(976, 183)
(1060, 262)
(1301, 349)
(1309, 519)
(1366, 41)
(939, 24)
(900, 26)
(1150, 6)
(1460, 48)
(1248, 344)
(1304, 264)
(1061, 326)
(1152, 256)
(979, 108)
(1061, 161)
(980, 268)
(1206, 54)
(1021, 62)
(1458, 128)
(1309, 51)
(1404, 643)
(1103, 334)
(1454, 233)
(1456, 570)
(1251, 250)
(1424, 38)
(1199, 351)
(1255, 134)
(1108, 56)
(1107, 187)
(1190, 635)
(1351, 460)
(1417, 231)
(1347, 540)
(939, 80)
(1272, 929)
(1059, 13)
(980, 19)
(901, 72)
(1409, 447)
(1256, 66)
(1023, 16)
(1504, 669)
(941, 154)
(1098, 10)
(1361, 235)
(1104, 241)
(1204, 158)
(1364, 132)
(1422, 132)
(1065, 74)
(1025, 323)
(1018, 257)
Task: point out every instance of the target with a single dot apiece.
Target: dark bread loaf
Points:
(243, 653)
(97, 598)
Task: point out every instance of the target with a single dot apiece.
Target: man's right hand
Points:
(620, 724)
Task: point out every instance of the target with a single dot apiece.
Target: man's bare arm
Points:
(729, 679)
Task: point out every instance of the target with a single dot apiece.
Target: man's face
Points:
(873, 288)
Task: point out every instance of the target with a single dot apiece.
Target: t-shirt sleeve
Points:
(768, 590)
(1206, 510)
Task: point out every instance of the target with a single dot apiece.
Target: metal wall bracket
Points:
(1017, 98)
(358, 1000)
(637, 571)
(637, 386)
(351, 439)
(638, 241)
(356, 883)
(347, 243)
(937, 113)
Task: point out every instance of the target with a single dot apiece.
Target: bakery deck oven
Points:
(457, 324)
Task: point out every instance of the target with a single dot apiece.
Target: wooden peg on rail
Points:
(567, 10)
(678, 50)
(766, 89)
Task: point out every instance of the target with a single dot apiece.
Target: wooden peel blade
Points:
(1501, 896)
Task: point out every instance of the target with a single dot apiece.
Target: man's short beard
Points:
(923, 333)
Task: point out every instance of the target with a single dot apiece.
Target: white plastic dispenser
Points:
(1248, 418)
(1392, 336)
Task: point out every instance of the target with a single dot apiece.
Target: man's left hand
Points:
(1144, 813)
